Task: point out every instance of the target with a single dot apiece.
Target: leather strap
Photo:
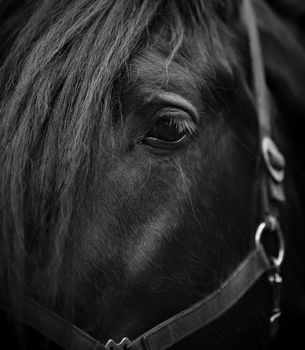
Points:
(208, 309)
(167, 333)
(272, 191)
(258, 70)
(52, 326)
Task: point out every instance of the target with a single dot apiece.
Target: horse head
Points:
(131, 163)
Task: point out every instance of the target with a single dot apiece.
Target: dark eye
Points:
(171, 129)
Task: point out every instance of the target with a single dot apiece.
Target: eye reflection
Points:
(171, 129)
(168, 129)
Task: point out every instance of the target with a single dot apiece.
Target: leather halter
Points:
(255, 265)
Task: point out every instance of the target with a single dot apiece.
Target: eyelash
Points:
(163, 121)
(183, 124)
(177, 116)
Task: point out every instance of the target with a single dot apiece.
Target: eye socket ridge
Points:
(172, 128)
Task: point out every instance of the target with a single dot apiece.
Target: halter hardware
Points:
(275, 168)
(272, 226)
(274, 160)
(112, 345)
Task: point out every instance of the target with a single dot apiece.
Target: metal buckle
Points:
(112, 345)
(275, 279)
(274, 160)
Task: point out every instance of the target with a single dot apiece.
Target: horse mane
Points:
(60, 71)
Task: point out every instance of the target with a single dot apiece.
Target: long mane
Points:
(61, 68)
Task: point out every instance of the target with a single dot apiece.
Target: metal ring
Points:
(272, 225)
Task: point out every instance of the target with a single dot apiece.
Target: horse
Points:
(135, 175)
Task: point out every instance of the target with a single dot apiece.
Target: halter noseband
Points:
(256, 264)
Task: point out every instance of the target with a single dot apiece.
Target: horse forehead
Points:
(150, 69)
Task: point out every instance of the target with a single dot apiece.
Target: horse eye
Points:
(170, 130)
(167, 129)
